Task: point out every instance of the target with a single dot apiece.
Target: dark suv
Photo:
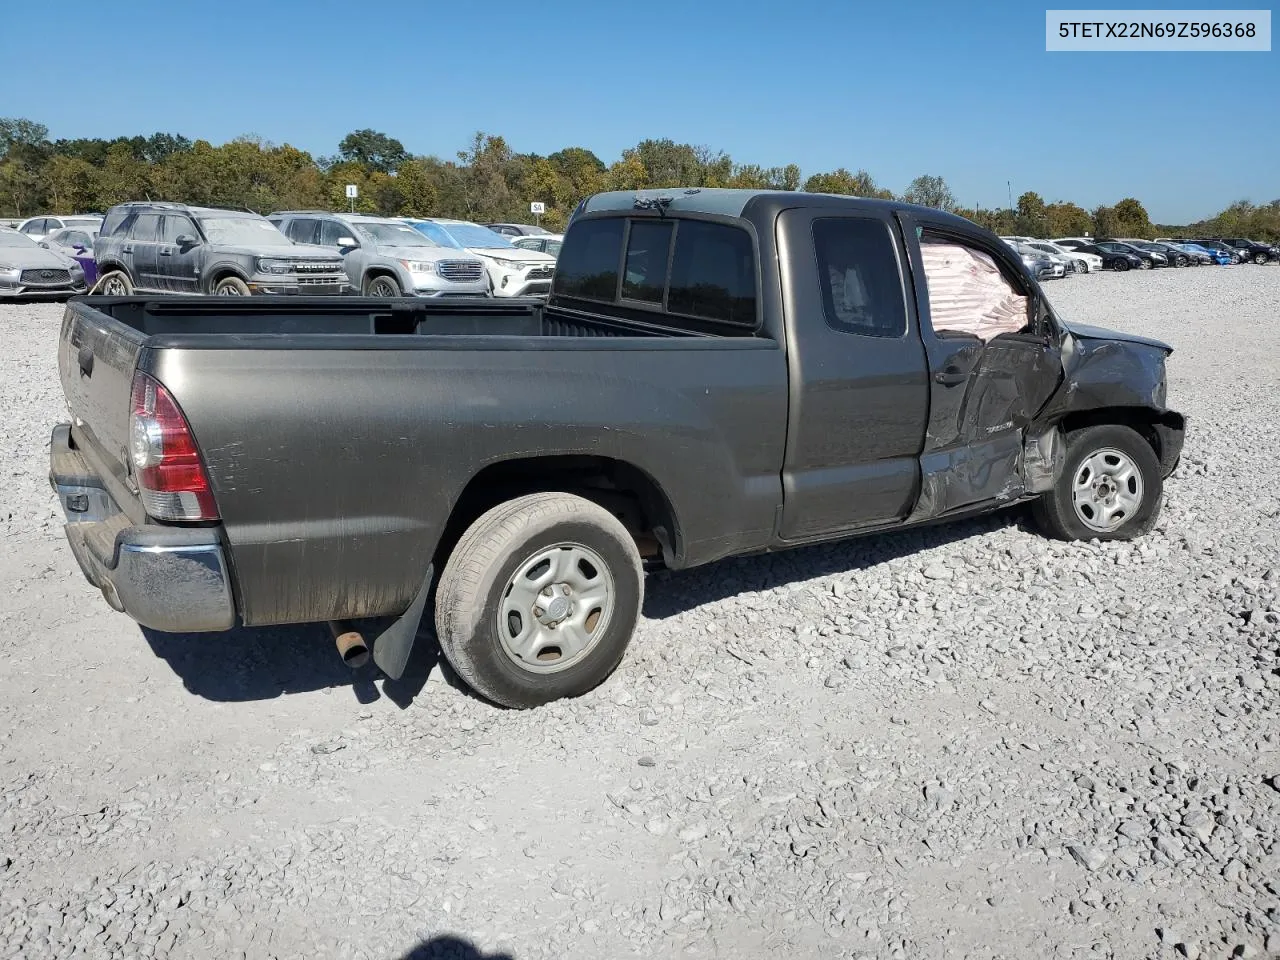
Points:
(1252, 249)
(174, 248)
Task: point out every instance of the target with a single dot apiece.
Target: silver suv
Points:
(175, 248)
(386, 257)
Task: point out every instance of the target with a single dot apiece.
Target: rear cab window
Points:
(701, 274)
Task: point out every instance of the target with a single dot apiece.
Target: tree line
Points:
(486, 182)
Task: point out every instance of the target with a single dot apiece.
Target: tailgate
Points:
(97, 355)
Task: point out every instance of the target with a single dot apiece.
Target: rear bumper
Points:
(168, 578)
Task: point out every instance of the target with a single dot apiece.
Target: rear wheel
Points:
(1110, 488)
(1260, 258)
(116, 284)
(1122, 265)
(1181, 261)
(231, 287)
(381, 286)
(539, 599)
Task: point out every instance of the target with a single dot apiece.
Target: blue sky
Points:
(966, 91)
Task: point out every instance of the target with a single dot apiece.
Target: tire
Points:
(1260, 258)
(1181, 261)
(1122, 265)
(1073, 511)
(382, 286)
(1081, 266)
(231, 287)
(481, 616)
(1146, 265)
(115, 283)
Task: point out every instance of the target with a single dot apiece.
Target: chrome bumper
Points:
(172, 579)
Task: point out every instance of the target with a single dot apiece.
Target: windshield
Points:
(474, 235)
(11, 238)
(393, 234)
(436, 234)
(243, 231)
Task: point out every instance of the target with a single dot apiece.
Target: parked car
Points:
(1149, 260)
(385, 257)
(30, 270)
(1114, 257)
(1252, 250)
(517, 229)
(1080, 262)
(549, 244)
(1220, 247)
(176, 248)
(1172, 256)
(1205, 254)
(513, 271)
(37, 228)
(1075, 243)
(76, 243)
(1043, 266)
(496, 455)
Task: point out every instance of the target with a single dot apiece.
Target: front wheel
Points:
(1260, 258)
(539, 599)
(382, 286)
(231, 287)
(1122, 265)
(1110, 487)
(1181, 261)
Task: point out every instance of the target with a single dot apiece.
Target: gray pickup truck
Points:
(715, 373)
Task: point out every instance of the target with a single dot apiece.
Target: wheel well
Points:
(629, 493)
(375, 272)
(1152, 425)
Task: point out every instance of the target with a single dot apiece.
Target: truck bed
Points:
(356, 316)
(338, 433)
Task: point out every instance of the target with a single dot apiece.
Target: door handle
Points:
(127, 249)
(166, 253)
(951, 376)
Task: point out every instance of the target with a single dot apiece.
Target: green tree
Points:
(123, 177)
(841, 181)
(71, 184)
(372, 149)
(930, 191)
(1067, 220)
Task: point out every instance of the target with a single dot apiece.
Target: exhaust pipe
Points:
(351, 646)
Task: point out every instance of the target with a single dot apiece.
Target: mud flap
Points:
(391, 648)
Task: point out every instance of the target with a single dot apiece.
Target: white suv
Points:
(513, 271)
(37, 228)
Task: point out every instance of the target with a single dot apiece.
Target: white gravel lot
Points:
(965, 741)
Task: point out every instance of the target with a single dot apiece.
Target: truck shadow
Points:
(670, 593)
(261, 663)
(449, 947)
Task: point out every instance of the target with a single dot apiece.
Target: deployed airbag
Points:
(968, 293)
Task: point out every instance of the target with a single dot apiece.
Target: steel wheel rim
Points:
(381, 288)
(1106, 490)
(227, 290)
(556, 608)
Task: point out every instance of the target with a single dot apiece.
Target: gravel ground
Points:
(966, 741)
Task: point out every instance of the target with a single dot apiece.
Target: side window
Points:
(115, 223)
(969, 293)
(588, 266)
(35, 226)
(713, 273)
(331, 231)
(175, 226)
(304, 230)
(146, 227)
(645, 274)
(80, 237)
(859, 275)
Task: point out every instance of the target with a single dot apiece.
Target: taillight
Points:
(166, 462)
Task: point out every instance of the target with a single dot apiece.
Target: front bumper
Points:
(11, 287)
(520, 287)
(285, 285)
(173, 579)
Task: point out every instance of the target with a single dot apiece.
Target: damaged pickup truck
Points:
(715, 373)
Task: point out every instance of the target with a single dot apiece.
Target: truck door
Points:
(993, 363)
(859, 394)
